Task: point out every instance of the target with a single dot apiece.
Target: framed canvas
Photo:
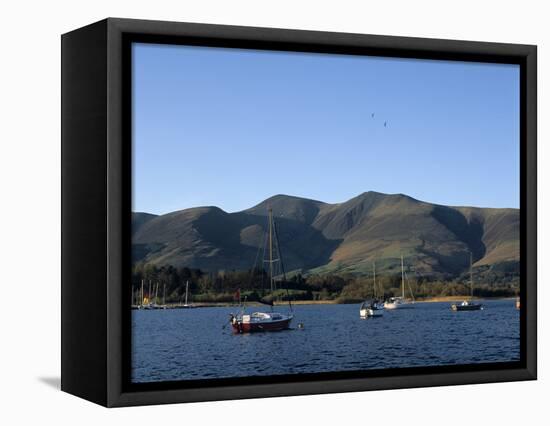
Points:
(256, 212)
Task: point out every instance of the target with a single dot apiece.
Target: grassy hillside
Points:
(138, 219)
(323, 238)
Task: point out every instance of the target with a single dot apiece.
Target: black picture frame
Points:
(96, 200)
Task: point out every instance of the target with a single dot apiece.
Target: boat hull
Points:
(370, 313)
(392, 306)
(403, 305)
(458, 308)
(257, 327)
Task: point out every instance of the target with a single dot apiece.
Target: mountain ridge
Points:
(347, 237)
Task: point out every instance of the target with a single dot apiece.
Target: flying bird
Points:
(372, 115)
(385, 124)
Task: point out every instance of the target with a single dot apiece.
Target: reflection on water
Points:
(183, 344)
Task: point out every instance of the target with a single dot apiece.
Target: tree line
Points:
(168, 283)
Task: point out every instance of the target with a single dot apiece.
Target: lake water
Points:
(183, 344)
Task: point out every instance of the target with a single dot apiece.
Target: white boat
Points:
(399, 301)
(141, 300)
(156, 304)
(372, 307)
(394, 303)
(187, 305)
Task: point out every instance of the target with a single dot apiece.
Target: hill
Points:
(318, 237)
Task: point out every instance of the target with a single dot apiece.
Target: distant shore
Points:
(420, 300)
(323, 302)
(460, 299)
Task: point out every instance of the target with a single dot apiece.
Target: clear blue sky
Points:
(230, 128)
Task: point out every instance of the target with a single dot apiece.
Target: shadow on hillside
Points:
(302, 246)
(470, 233)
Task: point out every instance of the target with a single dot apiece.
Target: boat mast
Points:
(271, 249)
(373, 279)
(164, 293)
(402, 280)
(141, 301)
(471, 279)
(186, 290)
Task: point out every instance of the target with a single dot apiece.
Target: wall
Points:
(30, 208)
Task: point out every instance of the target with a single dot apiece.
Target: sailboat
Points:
(146, 300)
(187, 305)
(265, 321)
(399, 301)
(156, 304)
(372, 307)
(468, 305)
(134, 304)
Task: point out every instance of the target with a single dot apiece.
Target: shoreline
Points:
(321, 302)
(460, 299)
(420, 300)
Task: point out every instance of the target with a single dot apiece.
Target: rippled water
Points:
(182, 344)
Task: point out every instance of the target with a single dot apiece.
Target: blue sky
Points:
(229, 128)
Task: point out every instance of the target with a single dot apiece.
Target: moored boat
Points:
(265, 321)
(187, 305)
(394, 303)
(468, 305)
(399, 302)
(371, 308)
(260, 321)
(156, 304)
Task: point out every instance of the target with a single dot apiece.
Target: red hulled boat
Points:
(266, 321)
(260, 321)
